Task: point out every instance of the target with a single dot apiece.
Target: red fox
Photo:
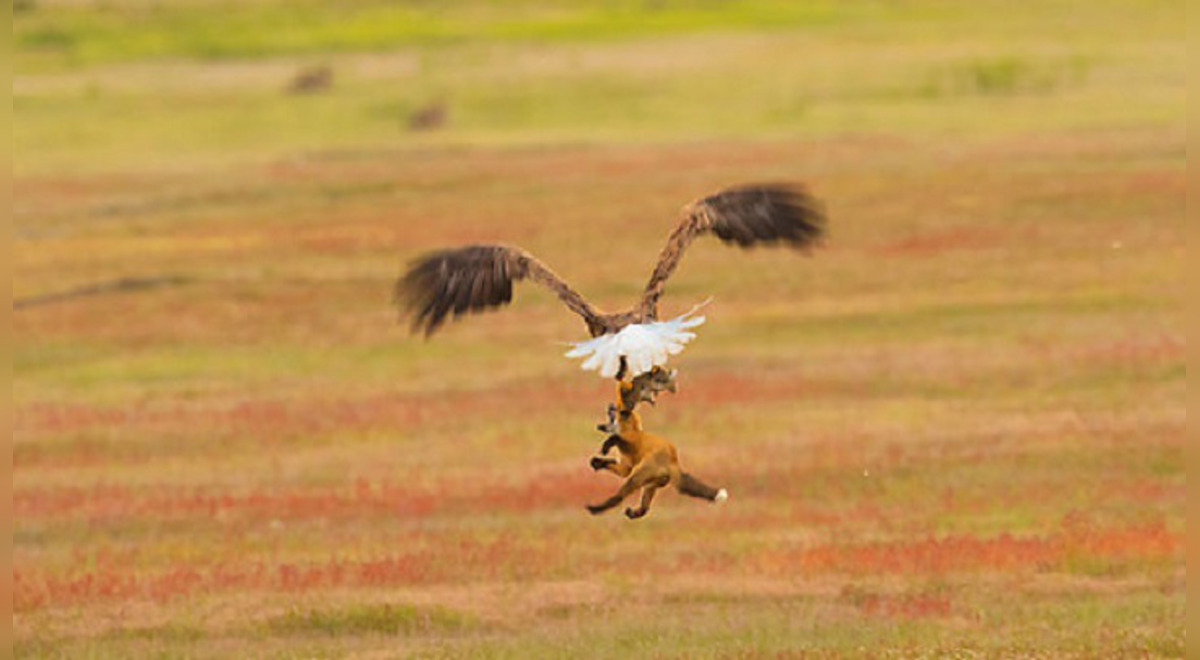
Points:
(646, 461)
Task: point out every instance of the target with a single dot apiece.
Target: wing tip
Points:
(768, 213)
(441, 285)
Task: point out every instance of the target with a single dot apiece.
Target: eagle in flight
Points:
(452, 282)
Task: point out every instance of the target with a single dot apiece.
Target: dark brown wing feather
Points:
(746, 216)
(449, 283)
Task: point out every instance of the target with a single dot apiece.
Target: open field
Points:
(957, 428)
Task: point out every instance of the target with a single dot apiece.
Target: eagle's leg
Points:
(623, 370)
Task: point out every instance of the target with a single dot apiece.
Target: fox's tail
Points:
(689, 485)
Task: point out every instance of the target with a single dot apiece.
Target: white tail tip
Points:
(722, 495)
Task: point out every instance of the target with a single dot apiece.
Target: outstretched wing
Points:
(746, 216)
(475, 278)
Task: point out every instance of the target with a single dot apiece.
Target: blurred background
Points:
(181, 85)
(957, 427)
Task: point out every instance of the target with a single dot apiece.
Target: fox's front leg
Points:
(621, 466)
(614, 440)
(609, 426)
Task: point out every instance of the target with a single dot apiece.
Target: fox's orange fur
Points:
(646, 461)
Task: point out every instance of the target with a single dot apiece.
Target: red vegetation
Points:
(970, 553)
(449, 559)
(729, 389)
(269, 418)
(435, 560)
(33, 589)
(932, 243)
(1138, 350)
(211, 427)
(362, 498)
(279, 419)
(900, 606)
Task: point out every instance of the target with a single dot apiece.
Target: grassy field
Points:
(957, 429)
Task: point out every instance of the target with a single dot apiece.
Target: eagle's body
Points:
(453, 282)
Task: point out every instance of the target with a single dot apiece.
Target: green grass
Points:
(75, 36)
(385, 619)
(163, 86)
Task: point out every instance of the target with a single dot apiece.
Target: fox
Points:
(646, 461)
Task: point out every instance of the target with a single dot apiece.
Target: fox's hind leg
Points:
(643, 475)
(648, 494)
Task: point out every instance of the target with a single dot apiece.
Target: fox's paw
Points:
(598, 463)
(595, 509)
(633, 514)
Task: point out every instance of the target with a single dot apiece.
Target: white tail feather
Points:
(643, 345)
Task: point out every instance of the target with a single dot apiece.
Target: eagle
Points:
(449, 283)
